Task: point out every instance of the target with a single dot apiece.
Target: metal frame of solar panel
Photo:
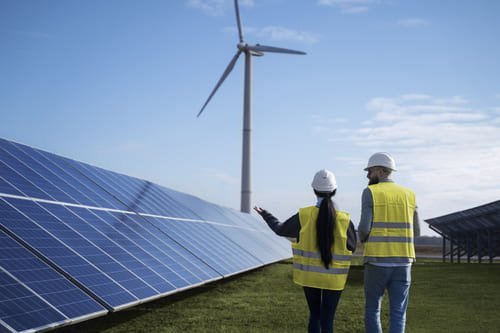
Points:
(472, 233)
(78, 241)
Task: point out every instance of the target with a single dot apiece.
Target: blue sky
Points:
(118, 84)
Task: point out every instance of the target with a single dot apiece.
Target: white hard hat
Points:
(324, 181)
(383, 160)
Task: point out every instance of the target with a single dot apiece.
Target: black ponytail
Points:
(325, 225)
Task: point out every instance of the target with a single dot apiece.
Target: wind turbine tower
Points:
(248, 51)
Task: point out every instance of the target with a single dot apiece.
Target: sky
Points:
(118, 84)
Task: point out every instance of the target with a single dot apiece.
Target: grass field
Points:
(444, 298)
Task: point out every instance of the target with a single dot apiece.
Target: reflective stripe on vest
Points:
(323, 270)
(309, 254)
(391, 236)
(308, 268)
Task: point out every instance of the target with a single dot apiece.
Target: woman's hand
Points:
(258, 210)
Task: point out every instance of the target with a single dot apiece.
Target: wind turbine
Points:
(248, 51)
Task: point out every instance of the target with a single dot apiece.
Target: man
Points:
(389, 223)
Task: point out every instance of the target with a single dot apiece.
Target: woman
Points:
(325, 238)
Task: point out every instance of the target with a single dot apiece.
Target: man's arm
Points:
(416, 223)
(365, 223)
(351, 237)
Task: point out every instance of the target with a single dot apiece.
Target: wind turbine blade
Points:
(240, 31)
(228, 70)
(264, 48)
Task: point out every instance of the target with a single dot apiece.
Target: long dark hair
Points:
(325, 225)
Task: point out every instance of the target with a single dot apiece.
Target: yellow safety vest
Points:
(308, 269)
(391, 235)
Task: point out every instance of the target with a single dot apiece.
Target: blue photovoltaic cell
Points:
(149, 264)
(123, 266)
(67, 234)
(262, 244)
(6, 187)
(186, 269)
(4, 329)
(63, 255)
(252, 241)
(204, 210)
(253, 235)
(59, 292)
(49, 173)
(21, 309)
(47, 189)
(90, 193)
(17, 182)
(205, 242)
(65, 185)
(278, 246)
(141, 196)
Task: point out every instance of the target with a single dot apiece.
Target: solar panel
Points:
(22, 309)
(82, 190)
(4, 329)
(112, 240)
(65, 252)
(46, 294)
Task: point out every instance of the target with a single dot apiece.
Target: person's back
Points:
(307, 257)
(388, 225)
(324, 240)
(391, 236)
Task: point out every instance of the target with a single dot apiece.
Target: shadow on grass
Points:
(114, 318)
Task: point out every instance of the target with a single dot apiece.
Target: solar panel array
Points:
(482, 217)
(78, 241)
(471, 232)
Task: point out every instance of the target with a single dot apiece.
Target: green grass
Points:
(443, 298)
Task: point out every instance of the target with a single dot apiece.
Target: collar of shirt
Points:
(386, 180)
(319, 200)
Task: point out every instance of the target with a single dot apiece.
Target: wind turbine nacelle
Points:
(244, 47)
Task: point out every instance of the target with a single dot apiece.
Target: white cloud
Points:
(348, 6)
(209, 7)
(216, 7)
(448, 150)
(412, 22)
(276, 33)
(451, 100)
(324, 125)
(412, 97)
(355, 9)
(320, 129)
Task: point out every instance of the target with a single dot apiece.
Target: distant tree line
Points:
(428, 240)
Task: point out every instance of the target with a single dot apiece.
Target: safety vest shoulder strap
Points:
(389, 191)
(308, 214)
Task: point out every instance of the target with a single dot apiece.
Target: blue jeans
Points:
(322, 306)
(397, 282)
